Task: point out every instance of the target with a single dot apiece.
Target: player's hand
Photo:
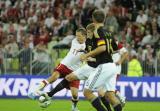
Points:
(91, 59)
(83, 57)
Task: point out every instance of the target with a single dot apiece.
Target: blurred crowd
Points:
(28, 26)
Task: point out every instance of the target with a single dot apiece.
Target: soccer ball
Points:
(42, 99)
(43, 102)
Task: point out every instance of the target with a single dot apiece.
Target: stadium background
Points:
(35, 35)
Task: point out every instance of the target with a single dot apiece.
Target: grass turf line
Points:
(65, 105)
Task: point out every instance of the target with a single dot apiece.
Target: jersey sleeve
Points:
(99, 35)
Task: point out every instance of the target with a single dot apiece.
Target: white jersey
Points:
(72, 59)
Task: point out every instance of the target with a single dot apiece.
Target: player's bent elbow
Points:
(87, 92)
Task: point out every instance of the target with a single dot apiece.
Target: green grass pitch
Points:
(65, 105)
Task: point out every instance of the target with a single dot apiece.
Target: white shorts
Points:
(104, 76)
(84, 72)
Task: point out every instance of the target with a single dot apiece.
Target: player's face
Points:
(80, 37)
(89, 34)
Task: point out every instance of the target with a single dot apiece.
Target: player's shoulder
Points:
(97, 32)
(101, 32)
(74, 41)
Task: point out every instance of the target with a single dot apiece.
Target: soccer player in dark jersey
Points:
(105, 75)
(117, 59)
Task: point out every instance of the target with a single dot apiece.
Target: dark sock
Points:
(97, 105)
(75, 100)
(106, 103)
(118, 108)
(63, 84)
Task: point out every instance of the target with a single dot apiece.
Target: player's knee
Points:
(87, 92)
(108, 95)
(74, 92)
(68, 77)
(101, 93)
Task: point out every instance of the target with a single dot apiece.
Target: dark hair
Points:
(82, 30)
(98, 16)
(91, 27)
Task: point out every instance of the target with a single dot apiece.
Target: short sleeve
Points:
(99, 35)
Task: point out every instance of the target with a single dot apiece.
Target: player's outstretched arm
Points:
(93, 53)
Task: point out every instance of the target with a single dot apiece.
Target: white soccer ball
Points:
(42, 99)
(43, 102)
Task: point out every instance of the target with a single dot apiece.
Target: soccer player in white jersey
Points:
(69, 64)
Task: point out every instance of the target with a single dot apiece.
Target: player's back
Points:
(72, 59)
(105, 38)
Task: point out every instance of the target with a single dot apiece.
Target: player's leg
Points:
(110, 87)
(89, 88)
(101, 94)
(94, 100)
(81, 74)
(42, 84)
(118, 95)
(59, 70)
(63, 84)
(121, 98)
(75, 98)
(47, 96)
(71, 77)
(105, 76)
(110, 95)
(55, 75)
(74, 86)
